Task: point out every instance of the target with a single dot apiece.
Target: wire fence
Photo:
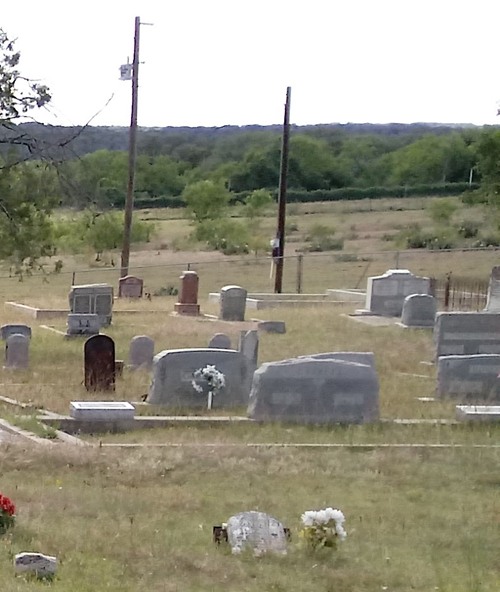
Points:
(455, 286)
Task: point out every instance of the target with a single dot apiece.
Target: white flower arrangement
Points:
(213, 377)
(323, 528)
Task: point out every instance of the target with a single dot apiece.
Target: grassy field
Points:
(420, 515)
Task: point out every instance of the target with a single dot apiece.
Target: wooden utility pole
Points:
(280, 232)
(132, 154)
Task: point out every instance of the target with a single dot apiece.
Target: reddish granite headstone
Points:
(130, 287)
(99, 354)
(188, 299)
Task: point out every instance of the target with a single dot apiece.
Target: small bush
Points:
(468, 229)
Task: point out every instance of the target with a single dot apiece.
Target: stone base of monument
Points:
(478, 412)
(187, 309)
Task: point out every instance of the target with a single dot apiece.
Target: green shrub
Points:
(468, 229)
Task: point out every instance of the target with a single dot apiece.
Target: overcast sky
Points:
(229, 62)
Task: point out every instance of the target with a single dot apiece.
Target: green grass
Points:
(418, 517)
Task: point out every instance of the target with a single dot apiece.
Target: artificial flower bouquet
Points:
(7, 514)
(213, 377)
(323, 528)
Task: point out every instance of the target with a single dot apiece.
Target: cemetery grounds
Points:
(420, 497)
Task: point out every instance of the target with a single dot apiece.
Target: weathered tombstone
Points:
(386, 293)
(256, 531)
(93, 299)
(7, 330)
(37, 564)
(130, 286)
(188, 298)
(493, 299)
(315, 391)
(17, 352)
(82, 324)
(173, 370)
(249, 345)
(233, 300)
(466, 333)
(99, 356)
(272, 326)
(419, 310)
(469, 378)
(220, 341)
(141, 352)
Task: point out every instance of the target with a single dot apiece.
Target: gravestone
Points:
(478, 412)
(7, 330)
(366, 358)
(82, 324)
(141, 352)
(99, 357)
(419, 310)
(493, 299)
(37, 564)
(173, 370)
(188, 297)
(101, 410)
(315, 391)
(93, 299)
(385, 294)
(130, 286)
(220, 341)
(17, 352)
(256, 531)
(249, 345)
(272, 326)
(466, 333)
(469, 378)
(233, 301)
(249, 349)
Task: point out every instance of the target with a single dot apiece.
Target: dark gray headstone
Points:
(17, 352)
(220, 341)
(141, 352)
(233, 301)
(315, 391)
(386, 293)
(466, 333)
(82, 324)
(419, 310)
(99, 358)
(469, 378)
(256, 531)
(173, 374)
(7, 330)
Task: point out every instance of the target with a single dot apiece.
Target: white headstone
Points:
(101, 410)
(256, 531)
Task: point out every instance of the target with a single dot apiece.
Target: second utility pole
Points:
(280, 232)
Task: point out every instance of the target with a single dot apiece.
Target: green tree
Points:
(206, 200)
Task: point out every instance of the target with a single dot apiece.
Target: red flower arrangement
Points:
(7, 513)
